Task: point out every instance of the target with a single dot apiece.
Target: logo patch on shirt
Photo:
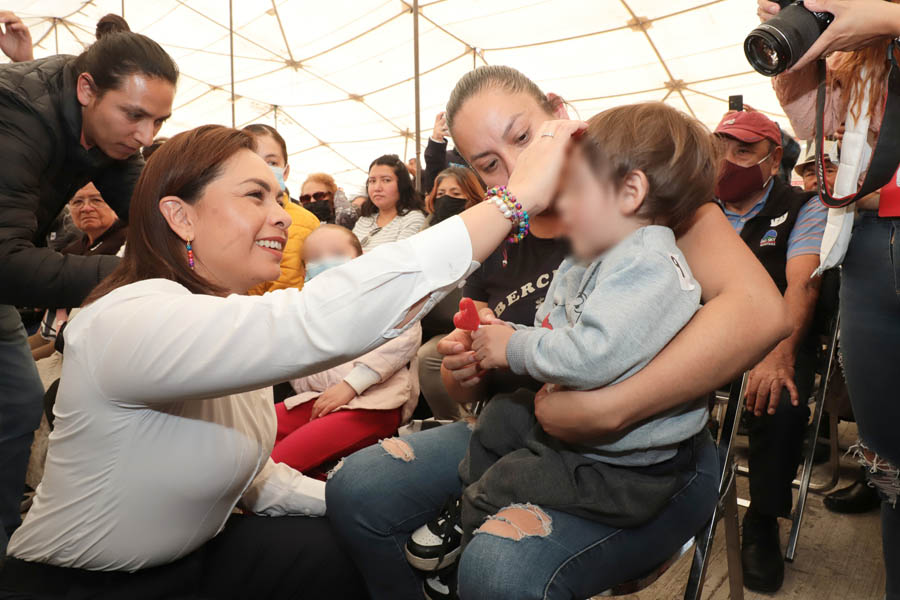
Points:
(778, 221)
(686, 282)
(546, 323)
(768, 239)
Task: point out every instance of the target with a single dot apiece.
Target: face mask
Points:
(322, 209)
(447, 206)
(279, 175)
(736, 182)
(315, 267)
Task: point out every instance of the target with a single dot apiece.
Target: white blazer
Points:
(164, 417)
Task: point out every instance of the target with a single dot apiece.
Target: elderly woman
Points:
(164, 417)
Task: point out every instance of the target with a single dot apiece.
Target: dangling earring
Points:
(190, 255)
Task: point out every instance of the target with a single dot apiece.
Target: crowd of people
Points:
(174, 284)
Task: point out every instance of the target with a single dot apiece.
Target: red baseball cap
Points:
(749, 127)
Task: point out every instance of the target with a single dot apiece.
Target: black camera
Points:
(777, 44)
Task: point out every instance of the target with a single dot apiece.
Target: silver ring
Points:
(547, 134)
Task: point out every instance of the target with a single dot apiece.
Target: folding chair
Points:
(829, 305)
(725, 508)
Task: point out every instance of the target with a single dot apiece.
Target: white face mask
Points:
(315, 267)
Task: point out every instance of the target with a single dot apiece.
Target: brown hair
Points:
(467, 181)
(181, 167)
(354, 241)
(324, 179)
(496, 76)
(262, 129)
(676, 152)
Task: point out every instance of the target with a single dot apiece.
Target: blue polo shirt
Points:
(806, 236)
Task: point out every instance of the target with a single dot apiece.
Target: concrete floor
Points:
(838, 556)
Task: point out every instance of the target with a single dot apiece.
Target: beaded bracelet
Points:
(512, 210)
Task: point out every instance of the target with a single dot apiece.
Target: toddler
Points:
(353, 405)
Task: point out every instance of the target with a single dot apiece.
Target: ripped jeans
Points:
(511, 460)
(380, 496)
(870, 339)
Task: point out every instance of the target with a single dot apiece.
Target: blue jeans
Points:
(870, 342)
(375, 501)
(21, 405)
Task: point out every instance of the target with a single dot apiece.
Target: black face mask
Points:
(447, 206)
(323, 210)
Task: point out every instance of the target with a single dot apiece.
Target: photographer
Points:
(870, 306)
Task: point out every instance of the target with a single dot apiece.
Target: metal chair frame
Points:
(824, 368)
(726, 508)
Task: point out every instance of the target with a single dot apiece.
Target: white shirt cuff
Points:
(361, 378)
(278, 490)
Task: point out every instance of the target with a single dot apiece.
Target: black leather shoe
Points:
(857, 497)
(761, 554)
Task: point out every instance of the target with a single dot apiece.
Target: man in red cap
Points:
(783, 227)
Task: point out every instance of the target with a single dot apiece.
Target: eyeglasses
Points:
(79, 202)
(318, 197)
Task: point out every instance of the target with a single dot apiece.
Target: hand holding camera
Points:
(796, 33)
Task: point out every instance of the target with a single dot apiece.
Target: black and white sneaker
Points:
(441, 585)
(436, 544)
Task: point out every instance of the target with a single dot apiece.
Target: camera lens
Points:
(762, 50)
(776, 45)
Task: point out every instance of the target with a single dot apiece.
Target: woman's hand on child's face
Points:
(489, 344)
(332, 399)
(536, 177)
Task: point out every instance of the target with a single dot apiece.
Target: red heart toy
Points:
(467, 318)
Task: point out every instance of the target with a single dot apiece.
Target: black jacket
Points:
(42, 165)
(768, 232)
(437, 158)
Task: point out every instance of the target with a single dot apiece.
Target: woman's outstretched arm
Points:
(155, 342)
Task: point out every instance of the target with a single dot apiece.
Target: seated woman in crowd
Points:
(637, 175)
(382, 494)
(353, 405)
(394, 209)
(271, 147)
(455, 189)
(165, 421)
(317, 196)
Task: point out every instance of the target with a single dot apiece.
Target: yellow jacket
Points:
(292, 269)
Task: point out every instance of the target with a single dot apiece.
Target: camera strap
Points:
(886, 156)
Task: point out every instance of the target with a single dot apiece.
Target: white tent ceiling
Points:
(336, 77)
